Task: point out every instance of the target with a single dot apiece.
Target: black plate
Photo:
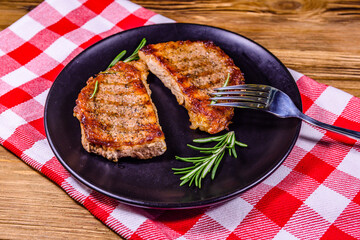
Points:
(151, 183)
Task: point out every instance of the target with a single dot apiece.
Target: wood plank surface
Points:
(320, 38)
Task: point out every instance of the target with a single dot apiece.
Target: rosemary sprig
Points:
(225, 84)
(132, 57)
(204, 164)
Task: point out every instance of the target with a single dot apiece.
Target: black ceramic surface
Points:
(151, 183)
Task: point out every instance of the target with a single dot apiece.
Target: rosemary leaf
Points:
(192, 180)
(216, 165)
(227, 80)
(209, 139)
(240, 144)
(189, 174)
(191, 159)
(208, 166)
(116, 59)
(234, 152)
(232, 141)
(200, 148)
(95, 89)
(183, 169)
(184, 181)
(207, 152)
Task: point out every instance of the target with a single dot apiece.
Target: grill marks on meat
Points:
(120, 120)
(191, 69)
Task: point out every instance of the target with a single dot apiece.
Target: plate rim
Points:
(172, 205)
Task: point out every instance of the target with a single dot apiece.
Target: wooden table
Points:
(318, 38)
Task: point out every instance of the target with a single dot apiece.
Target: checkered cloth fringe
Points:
(314, 194)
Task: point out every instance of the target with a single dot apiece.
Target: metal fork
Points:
(268, 99)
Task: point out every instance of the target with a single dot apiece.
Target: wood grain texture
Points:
(319, 38)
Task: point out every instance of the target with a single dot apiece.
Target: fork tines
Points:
(255, 87)
(246, 96)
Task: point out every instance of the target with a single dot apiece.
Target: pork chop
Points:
(191, 69)
(120, 120)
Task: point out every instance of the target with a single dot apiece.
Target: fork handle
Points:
(329, 127)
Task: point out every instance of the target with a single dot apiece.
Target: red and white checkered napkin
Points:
(314, 194)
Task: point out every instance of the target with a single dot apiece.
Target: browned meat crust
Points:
(191, 69)
(120, 120)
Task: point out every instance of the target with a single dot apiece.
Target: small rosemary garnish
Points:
(95, 89)
(210, 162)
(116, 59)
(132, 57)
(135, 55)
(225, 84)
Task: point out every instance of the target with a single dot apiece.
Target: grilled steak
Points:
(120, 120)
(191, 69)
